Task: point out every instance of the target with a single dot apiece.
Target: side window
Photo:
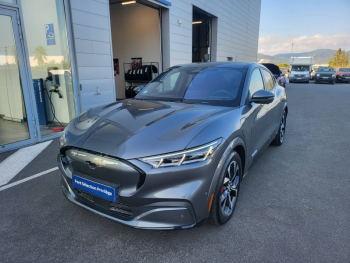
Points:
(256, 83)
(268, 80)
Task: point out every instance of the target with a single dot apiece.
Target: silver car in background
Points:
(175, 155)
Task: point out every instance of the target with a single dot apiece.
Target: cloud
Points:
(276, 44)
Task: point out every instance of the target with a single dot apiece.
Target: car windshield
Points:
(344, 69)
(300, 68)
(325, 69)
(220, 86)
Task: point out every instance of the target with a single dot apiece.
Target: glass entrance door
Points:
(16, 122)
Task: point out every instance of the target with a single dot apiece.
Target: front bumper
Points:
(325, 79)
(343, 79)
(299, 79)
(170, 198)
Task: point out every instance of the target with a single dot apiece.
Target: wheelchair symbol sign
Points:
(50, 34)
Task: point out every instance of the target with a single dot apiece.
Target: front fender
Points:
(222, 163)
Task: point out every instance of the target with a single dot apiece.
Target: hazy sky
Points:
(309, 24)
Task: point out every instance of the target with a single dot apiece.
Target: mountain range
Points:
(322, 56)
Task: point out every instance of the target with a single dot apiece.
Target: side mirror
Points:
(262, 97)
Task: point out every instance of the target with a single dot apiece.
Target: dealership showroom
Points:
(59, 58)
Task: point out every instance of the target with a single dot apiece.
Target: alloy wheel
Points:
(282, 128)
(230, 187)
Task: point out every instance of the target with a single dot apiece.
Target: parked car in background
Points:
(325, 74)
(174, 155)
(342, 75)
(278, 74)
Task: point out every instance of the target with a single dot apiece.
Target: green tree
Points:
(40, 55)
(339, 59)
(283, 65)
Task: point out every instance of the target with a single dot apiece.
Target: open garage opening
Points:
(136, 42)
(204, 28)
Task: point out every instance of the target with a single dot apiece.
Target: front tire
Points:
(279, 139)
(227, 191)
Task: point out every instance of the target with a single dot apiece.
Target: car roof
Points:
(226, 64)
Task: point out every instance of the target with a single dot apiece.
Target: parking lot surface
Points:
(294, 204)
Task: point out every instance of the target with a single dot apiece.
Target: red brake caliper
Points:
(223, 188)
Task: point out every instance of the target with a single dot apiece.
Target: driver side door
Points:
(259, 114)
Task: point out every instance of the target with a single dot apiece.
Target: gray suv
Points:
(175, 155)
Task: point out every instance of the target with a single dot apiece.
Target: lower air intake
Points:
(121, 208)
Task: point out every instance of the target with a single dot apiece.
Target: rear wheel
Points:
(227, 190)
(279, 139)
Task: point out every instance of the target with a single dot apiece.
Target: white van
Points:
(300, 69)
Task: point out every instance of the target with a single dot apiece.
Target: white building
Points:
(71, 50)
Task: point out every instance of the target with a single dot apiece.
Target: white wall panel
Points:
(92, 35)
(91, 6)
(238, 28)
(91, 20)
(94, 60)
(95, 73)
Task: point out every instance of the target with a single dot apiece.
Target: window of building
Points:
(50, 62)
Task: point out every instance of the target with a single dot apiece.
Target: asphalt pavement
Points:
(294, 204)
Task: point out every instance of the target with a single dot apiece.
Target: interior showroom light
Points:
(128, 2)
(197, 22)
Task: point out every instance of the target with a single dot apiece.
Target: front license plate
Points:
(94, 188)
(298, 78)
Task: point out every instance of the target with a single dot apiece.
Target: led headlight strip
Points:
(193, 155)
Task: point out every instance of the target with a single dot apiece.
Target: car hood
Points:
(134, 128)
(326, 73)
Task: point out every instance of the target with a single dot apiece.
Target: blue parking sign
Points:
(50, 34)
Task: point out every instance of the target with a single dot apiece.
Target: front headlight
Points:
(193, 155)
(333, 75)
(318, 75)
(62, 141)
(291, 75)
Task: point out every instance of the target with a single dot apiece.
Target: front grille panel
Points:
(112, 171)
(115, 207)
